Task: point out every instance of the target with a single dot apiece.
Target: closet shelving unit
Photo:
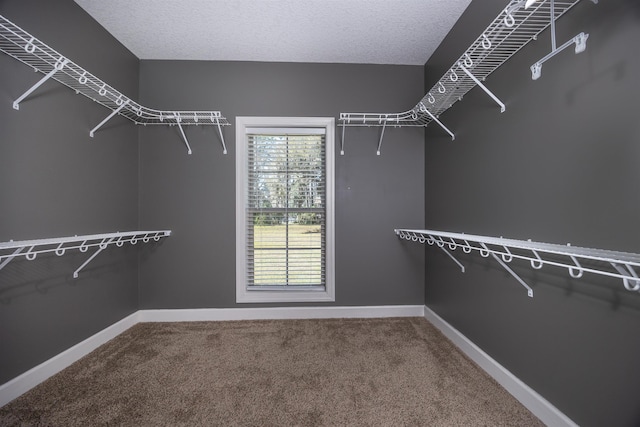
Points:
(575, 259)
(21, 45)
(30, 249)
(511, 30)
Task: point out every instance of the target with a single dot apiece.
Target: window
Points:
(284, 209)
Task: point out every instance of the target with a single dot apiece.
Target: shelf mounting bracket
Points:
(435, 119)
(59, 65)
(631, 281)
(506, 267)
(384, 125)
(10, 257)
(483, 87)
(184, 137)
(113, 113)
(224, 146)
(103, 245)
(452, 257)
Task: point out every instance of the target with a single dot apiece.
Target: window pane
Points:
(269, 231)
(270, 267)
(305, 267)
(305, 230)
(288, 252)
(286, 171)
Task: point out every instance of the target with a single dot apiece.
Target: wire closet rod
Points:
(620, 265)
(60, 245)
(509, 32)
(19, 44)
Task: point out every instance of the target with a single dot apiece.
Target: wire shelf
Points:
(24, 47)
(509, 32)
(576, 260)
(60, 245)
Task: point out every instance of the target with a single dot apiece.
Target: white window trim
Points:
(265, 296)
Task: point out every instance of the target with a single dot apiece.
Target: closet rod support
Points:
(58, 67)
(483, 87)
(435, 119)
(113, 113)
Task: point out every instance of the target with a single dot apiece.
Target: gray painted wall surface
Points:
(560, 165)
(56, 182)
(195, 195)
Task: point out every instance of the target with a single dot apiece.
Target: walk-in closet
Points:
(356, 212)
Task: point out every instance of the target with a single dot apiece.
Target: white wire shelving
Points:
(576, 260)
(30, 249)
(509, 32)
(24, 47)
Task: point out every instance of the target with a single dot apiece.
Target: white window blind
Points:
(286, 209)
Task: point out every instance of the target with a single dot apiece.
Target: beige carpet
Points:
(356, 372)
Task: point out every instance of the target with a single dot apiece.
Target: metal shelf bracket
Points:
(441, 244)
(483, 87)
(630, 281)
(184, 137)
(224, 146)
(58, 66)
(9, 258)
(384, 125)
(435, 119)
(506, 267)
(102, 246)
(113, 113)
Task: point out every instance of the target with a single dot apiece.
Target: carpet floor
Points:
(355, 372)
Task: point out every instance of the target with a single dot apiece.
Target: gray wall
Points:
(195, 195)
(56, 182)
(560, 165)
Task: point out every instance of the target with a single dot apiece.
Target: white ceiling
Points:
(330, 31)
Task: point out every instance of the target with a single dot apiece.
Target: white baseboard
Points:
(26, 381)
(265, 313)
(531, 400)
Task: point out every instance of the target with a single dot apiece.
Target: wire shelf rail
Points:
(30, 249)
(518, 24)
(576, 260)
(24, 47)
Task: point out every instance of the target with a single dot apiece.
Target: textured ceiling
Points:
(331, 31)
